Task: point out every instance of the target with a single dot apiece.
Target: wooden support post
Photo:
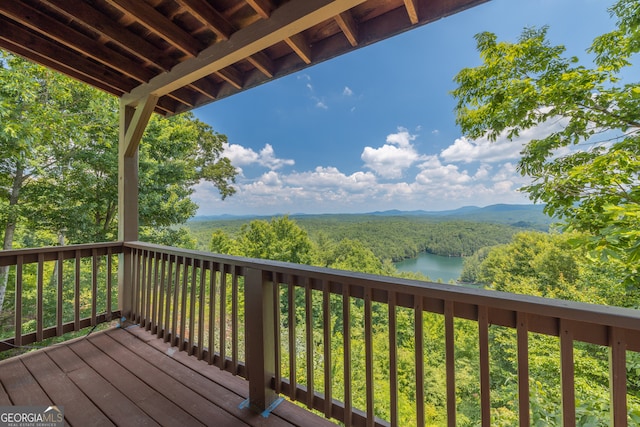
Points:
(133, 121)
(260, 348)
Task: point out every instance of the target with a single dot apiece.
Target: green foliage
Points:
(59, 158)
(389, 238)
(280, 239)
(586, 168)
(550, 265)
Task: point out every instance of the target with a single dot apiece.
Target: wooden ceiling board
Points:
(131, 48)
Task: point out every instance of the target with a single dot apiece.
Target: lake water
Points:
(434, 266)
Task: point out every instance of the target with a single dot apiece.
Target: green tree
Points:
(280, 239)
(586, 172)
(59, 164)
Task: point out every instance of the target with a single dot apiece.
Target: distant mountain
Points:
(523, 216)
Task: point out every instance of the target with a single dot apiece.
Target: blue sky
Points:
(375, 129)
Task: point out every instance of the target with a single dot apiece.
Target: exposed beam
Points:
(156, 22)
(56, 65)
(299, 45)
(37, 21)
(231, 76)
(205, 87)
(349, 27)
(262, 7)
(210, 16)
(286, 21)
(111, 30)
(263, 63)
(412, 10)
(65, 60)
(138, 124)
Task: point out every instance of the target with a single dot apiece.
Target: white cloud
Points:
(467, 151)
(394, 157)
(241, 156)
(438, 182)
(484, 150)
(321, 105)
(347, 91)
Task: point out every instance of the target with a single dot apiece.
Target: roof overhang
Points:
(186, 53)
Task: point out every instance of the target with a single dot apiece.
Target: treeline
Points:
(533, 263)
(389, 238)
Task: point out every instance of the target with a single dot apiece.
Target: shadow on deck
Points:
(128, 377)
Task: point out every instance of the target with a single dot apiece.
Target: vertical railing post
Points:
(259, 315)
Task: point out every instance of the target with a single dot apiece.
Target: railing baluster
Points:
(108, 284)
(183, 305)
(40, 296)
(17, 341)
(201, 306)
(277, 345)
(291, 320)
(135, 284)
(393, 360)
(212, 313)
(192, 307)
(147, 286)
(153, 324)
(451, 363)
(346, 322)
(368, 354)
(140, 270)
(234, 322)
(223, 317)
(419, 357)
(483, 342)
(94, 287)
(618, 376)
(76, 322)
(522, 327)
(567, 374)
(167, 332)
(308, 310)
(326, 328)
(159, 306)
(60, 295)
(175, 307)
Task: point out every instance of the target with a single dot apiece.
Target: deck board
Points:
(129, 377)
(114, 404)
(79, 410)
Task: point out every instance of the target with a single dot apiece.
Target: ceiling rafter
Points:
(231, 76)
(348, 26)
(263, 63)
(188, 53)
(284, 22)
(87, 15)
(412, 10)
(157, 23)
(36, 20)
(71, 69)
(209, 16)
(298, 43)
(262, 7)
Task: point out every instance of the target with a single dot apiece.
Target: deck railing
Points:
(332, 340)
(55, 290)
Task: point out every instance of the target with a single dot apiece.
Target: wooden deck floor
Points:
(130, 378)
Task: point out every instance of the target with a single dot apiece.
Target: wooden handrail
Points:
(275, 324)
(49, 262)
(209, 324)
